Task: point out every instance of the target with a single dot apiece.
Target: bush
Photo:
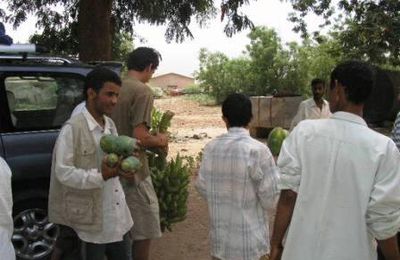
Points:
(157, 92)
(192, 89)
(203, 99)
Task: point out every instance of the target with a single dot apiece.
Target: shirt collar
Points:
(238, 130)
(313, 104)
(350, 117)
(92, 123)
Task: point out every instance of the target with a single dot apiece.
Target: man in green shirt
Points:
(132, 117)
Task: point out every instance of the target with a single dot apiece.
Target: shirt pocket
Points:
(85, 154)
(79, 208)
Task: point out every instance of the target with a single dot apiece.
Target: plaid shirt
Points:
(238, 178)
(396, 131)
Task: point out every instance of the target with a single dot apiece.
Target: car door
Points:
(37, 101)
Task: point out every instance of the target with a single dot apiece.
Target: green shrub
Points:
(192, 89)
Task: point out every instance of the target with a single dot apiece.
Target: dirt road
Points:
(192, 127)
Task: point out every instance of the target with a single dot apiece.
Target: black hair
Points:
(97, 77)
(357, 77)
(140, 58)
(236, 108)
(317, 81)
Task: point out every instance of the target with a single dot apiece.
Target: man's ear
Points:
(149, 68)
(91, 93)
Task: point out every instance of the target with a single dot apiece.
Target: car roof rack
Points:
(39, 59)
(15, 53)
(22, 48)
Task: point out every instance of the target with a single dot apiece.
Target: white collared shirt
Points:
(117, 219)
(308, 109)
(6, 221)
(238, 178)
(347, 179)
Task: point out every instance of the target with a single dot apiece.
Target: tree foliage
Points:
(268, 67)
(99, 20)
(122, 43)
(370, 29)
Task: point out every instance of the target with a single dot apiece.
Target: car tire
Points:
(34, 236)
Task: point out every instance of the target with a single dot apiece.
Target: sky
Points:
(182, 58)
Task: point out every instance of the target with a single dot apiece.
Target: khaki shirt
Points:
(134, 106)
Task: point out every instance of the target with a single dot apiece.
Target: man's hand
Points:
(276, 253)
(129, 176)
(163, 140)
(109, 172)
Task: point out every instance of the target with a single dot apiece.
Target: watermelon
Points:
(126, 145)
(108, 143)
(275, 139)
(120, 145)
(130, 164)
(111, 159)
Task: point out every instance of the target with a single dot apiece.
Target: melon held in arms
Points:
(130, 164)
(121, 145)
(275, 139)
(120, 148)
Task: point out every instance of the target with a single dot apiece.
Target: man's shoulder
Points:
(75, 119)
(134, 84)
(245, 141)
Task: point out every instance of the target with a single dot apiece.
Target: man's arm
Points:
(383, 210)
(389, 248)
(141, 132)
(284, 213)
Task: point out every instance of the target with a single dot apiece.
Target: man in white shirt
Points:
(238, 178)
(86, 196)
(315, 107)
(6, 221)
(339, 181)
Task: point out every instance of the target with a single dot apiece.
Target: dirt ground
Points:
(192, 127)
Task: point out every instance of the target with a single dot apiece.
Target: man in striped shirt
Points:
(238, 178)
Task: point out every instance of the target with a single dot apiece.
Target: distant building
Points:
(171, 81)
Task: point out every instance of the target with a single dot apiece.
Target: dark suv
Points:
(37, 95)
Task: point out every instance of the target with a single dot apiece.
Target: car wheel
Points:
(34, 236)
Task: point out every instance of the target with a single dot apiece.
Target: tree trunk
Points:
(94, 30)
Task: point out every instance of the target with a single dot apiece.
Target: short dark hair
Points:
(317, 81)
(357, 77)
(236, 108)
(140, 58)
(96, 78)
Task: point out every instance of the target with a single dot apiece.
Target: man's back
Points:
(238, 179)
(345, 176)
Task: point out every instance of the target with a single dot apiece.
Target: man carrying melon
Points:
(339, 181)
(86, 197)
(132, 117)
(313, 108)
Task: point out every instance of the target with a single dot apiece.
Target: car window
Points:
(38, 102)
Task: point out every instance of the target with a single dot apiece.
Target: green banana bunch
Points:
(171, 185)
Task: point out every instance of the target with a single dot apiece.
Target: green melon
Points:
(108, 143)
(275, 139)
(112, 159)
(120, 145)
(126, 145)
(130, 164)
